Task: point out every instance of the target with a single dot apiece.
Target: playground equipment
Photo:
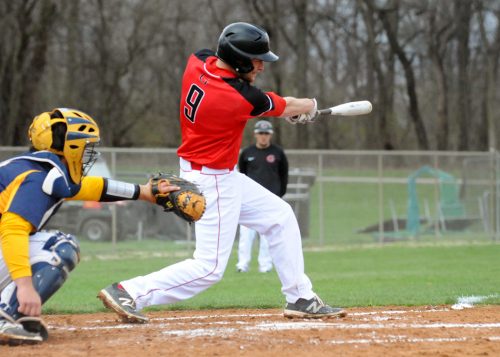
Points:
(450, 215)
(451, 212)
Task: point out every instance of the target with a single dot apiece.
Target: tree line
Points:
(430, 67)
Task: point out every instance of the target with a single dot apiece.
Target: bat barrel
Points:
(349, 109)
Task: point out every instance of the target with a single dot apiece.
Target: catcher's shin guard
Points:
(48, 274)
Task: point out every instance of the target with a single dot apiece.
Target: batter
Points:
(218, 98)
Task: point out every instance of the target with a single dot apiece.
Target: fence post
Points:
(495, 195)
(113, 207)
(439, 211)
(380, 175)
(320, 200)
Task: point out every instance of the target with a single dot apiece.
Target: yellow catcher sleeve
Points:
(102, 189)
(14, 237)
(91, 189)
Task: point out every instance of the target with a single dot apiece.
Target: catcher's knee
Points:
(49, 276)
(65, 251)
(49, 271)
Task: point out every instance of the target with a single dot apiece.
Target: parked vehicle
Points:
(93, 220)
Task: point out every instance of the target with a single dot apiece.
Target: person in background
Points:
(267, 164)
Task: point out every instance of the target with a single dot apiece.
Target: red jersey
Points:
(214, 109)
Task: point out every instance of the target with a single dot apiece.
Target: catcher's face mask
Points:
(90, 156)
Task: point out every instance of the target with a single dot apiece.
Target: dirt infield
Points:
(389, 331)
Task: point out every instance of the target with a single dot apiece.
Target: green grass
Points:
(390, 275)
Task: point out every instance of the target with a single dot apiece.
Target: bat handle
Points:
(325, 111)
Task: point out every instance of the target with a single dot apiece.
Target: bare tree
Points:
(490, 74)
(384, 91)
(25, 33)
(122, 61)
(440, 31)
(269, 14)
(463, 19)
(389, 18)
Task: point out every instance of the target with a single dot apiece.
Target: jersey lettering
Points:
(193, 100)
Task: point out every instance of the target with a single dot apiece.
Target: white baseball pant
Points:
(232, 198)
(37, 254)
(246, 239)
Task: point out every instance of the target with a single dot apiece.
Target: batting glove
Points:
(305, 118)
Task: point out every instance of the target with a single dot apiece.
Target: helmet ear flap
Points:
(58, 136)
(230, 54)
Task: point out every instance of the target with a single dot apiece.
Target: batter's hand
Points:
(305, 118)
(30, 303)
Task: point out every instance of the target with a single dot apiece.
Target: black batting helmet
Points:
(241, 42)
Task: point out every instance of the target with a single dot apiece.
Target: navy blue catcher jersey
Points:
(33, 185)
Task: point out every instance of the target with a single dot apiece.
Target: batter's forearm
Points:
(296, 106)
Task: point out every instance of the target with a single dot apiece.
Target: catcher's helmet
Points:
(69, 133)
(241, 42)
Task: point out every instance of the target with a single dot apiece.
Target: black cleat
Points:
(312, 309)
(114, 297)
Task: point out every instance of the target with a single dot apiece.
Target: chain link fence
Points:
(340, 197)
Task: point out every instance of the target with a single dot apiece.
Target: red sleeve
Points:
(279, 104)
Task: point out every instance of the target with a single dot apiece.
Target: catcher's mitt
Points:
(188, 202)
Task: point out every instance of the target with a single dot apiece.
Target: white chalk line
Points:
(206, 317)
(376, 326)
(198, 317)
(396, 340)
(308, 324)
(395, 312)
(169, 326)
(467, 302)
(282, 326)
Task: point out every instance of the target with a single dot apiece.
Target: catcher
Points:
(34, 264)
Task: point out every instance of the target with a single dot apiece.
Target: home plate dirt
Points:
(389, 331)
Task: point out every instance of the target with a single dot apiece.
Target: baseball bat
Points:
(349, 109)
